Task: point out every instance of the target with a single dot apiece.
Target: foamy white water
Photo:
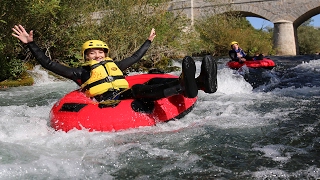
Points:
(237, 132)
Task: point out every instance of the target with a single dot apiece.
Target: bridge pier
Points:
(284, 38)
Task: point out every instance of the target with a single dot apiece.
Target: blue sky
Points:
(258, 22)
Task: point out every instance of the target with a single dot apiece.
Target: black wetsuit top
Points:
(82, 74)
(233, 54)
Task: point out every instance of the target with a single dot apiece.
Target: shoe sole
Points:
(209, 68)
(188, 77)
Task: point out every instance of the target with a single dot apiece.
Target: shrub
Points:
(217, 31)
(309, 40)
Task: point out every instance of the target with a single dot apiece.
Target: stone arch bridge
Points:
(286, 15)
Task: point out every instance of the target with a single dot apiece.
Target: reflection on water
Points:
(270, 131)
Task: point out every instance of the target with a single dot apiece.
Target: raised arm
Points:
(65, 71)
(127, 62)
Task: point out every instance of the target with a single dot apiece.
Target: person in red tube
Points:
(237, 54)
(101, 78)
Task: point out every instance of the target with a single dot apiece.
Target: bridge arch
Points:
(286, 15)
(307, 15)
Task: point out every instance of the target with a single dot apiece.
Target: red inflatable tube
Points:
(76, 111)
(264, 63)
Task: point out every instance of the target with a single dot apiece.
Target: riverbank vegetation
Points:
(216, 33)
(61, 26)
(308, 38)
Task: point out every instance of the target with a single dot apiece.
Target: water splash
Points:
(41, 76)
(236, 132)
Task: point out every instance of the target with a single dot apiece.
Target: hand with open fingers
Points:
(152, 34)
(21, 33)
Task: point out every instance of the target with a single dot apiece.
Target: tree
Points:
(308, 39)
(218, 31)
(8, 59)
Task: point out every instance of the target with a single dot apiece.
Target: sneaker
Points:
(207, 80)
(187, 78)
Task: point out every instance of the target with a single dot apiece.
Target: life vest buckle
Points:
(108, 103)
(109, 78)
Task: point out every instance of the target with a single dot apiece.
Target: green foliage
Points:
(61, 26)
(308, 40)
(4, 73)
(216, 33)
(11, 68)
(16, 68)
(7, 9)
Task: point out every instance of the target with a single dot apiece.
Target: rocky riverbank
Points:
(25, 80)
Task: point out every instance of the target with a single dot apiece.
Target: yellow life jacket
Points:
(104, 76)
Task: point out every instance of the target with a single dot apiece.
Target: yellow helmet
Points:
(93, 44)
(234, 42)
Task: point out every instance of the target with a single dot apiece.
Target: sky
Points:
(258, 22)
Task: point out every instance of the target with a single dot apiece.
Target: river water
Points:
(271, 131)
